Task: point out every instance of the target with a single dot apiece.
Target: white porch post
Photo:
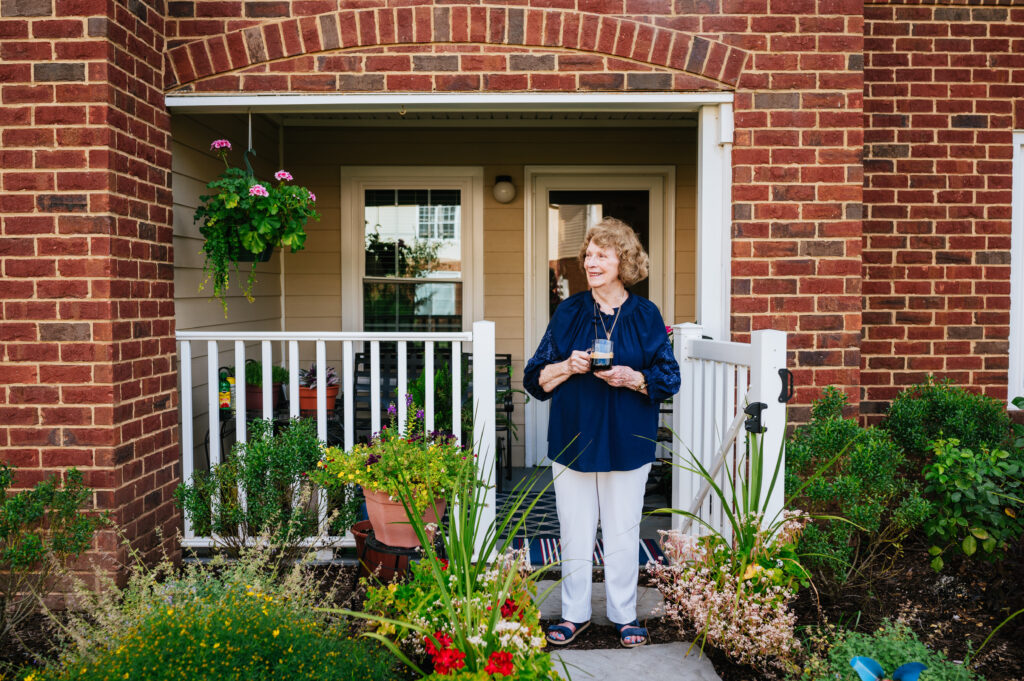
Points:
(769, 348)
(714, 219)
(684, 412)
(484, 420)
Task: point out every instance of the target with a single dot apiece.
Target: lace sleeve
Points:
(663, 374)
(546, 354)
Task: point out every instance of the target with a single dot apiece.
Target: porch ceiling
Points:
(686, 119)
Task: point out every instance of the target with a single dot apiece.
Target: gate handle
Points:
(787, 385)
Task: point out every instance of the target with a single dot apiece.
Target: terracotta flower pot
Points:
(254, 396)
(307, 397)
(390, 524)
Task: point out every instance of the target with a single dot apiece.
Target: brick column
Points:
(87, 376)
(943, 87)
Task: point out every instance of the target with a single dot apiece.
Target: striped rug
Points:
(547, 550)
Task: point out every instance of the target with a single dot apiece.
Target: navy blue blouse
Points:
(594, 427)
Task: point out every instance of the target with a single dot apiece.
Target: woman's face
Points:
(601, 265)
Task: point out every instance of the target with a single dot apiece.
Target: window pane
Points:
(405, 306)
(413, 233)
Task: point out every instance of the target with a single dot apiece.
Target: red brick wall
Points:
(795, 66)
(944, 88)
(87, 377)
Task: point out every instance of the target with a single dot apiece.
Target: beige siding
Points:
(193, 166)
(313, 279)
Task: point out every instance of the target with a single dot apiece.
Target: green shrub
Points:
(41, 529)
(249, 619)
(936, 409)
(272, 470)
(254, 373)
(892, 645)
(865, 486)
(979, 500)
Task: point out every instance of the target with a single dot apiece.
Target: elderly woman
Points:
(603, 427)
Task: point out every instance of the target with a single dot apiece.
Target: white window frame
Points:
(355, 180)
(1015, 379)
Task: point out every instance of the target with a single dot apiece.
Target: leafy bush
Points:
(273, 472)
(872, 506)
(892, 645)
(250, 619)
(936, 409)
(979, 500)
(41, 530)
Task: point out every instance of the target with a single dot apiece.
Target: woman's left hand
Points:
(620, 377)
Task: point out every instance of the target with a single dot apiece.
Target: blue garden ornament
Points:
(869, 670)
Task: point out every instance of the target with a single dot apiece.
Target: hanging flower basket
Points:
(246, 219)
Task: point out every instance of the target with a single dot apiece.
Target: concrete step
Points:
(657, 662)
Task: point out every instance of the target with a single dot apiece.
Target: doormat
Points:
(547, 550)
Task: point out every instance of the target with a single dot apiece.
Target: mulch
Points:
(953, 611)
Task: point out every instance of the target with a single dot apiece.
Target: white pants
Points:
(616, 499)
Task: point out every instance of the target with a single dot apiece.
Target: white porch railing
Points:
(720, 379)
(483, 368)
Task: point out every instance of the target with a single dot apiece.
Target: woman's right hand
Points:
(578, 362)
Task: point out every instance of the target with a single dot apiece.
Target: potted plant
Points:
(430, 465)
(308, 388)
(254, 384)
(245, 219)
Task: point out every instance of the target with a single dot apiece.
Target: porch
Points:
(723, 383)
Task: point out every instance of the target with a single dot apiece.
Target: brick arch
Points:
(624, 38)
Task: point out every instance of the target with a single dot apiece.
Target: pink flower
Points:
(220, 144)
(283, 175)
(668, 329)
(312, 196)
(258, 190)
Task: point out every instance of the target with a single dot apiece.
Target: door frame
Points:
(537, 181)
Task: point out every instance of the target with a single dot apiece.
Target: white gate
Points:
(719, 380)
(199, 394)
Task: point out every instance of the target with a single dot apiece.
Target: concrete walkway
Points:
(657, 662)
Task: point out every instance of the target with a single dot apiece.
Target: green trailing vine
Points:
(245, 217)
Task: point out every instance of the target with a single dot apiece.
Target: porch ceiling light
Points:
(504, 190)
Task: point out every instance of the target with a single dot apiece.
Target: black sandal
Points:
(631, 629)
(569, 634)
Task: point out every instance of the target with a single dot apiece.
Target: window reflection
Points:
(412, 235)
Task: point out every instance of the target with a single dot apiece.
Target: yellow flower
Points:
(276, 632)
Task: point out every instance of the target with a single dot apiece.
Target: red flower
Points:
(442, 638)
(444, 563)
(448, 660)
(499, 662)
(510, 608)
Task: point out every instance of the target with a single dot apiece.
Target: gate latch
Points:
(787, 385)
(753, 410)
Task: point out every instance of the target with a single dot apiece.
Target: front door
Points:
(563, 207)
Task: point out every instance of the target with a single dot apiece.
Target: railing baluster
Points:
(457, 391)
(321, 390)
(348, 385)
(403, 387)
(375, 387)
(428, 368)
(268, 380)
(188, 451)
(213, 416)
(293, 379)
(240, 434)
